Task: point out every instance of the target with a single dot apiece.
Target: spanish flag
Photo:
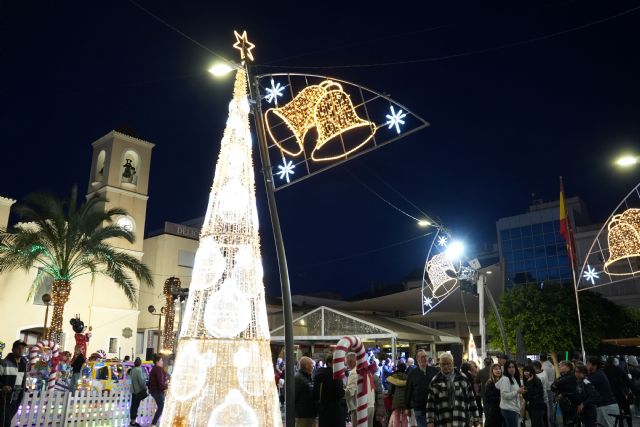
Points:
(565, 227)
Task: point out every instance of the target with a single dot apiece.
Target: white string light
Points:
(220, 378)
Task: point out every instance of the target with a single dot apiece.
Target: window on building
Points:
(186, 258)
(140, 342)
(113, 345)
(152, 339)
(45, 288)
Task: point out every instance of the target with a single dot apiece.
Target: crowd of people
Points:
(430, 393)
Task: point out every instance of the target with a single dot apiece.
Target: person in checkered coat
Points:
(450, 400)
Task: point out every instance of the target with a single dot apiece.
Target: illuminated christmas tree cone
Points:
(223, 374)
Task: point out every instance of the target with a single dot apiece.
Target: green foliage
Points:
(66, 241)
(548, 318)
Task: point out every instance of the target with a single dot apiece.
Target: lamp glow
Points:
(220, 70)
(455, 250)
(424, 223)
(626, 161)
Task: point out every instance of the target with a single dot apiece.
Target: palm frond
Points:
(37, 282)
(66, 240)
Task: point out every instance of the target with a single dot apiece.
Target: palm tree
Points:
(66, 241)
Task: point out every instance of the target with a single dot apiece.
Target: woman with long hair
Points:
(510, 390)
(491, 400)
(534, 396)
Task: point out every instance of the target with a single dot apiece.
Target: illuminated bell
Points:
(624, 243)
(335, 116)
(439, 268)
(298, 116)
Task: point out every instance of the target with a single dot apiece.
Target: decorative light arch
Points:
(614, 254)
(314, 122)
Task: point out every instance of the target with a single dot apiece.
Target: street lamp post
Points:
(152, 310)
(46, 299)
(285, 286)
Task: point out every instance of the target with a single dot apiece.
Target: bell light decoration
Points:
(187, 379)
(220, 378)
(442, 273)
(208, 266)
(327, 108)
(624, 243)
(233, 412)
(228, 311)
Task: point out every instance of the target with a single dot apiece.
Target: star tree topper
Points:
(243, 45)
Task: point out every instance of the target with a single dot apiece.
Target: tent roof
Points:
(324, 323)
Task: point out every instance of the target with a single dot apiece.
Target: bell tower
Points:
(120, 171)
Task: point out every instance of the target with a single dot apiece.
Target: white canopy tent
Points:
(330, 325)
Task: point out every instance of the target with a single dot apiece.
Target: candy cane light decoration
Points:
(34, 357)
(354, 344)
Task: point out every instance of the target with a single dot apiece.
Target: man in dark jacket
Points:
(329, 394)
(305, 404)
(620, 385)
(586, 398)
(418, 382)
(607, 405)
(564, 390)
(13, 370)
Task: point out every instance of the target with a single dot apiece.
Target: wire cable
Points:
(171, 27)
(358, 43)
(467, 53)
(397, 192)
(372, 191)
(370, 251)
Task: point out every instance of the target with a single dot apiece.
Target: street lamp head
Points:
(424, 223)
(151, 309)
(455, 250)
(220, 69)
(626, 161)
(46, 298)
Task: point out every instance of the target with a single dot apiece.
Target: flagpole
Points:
(573, 275)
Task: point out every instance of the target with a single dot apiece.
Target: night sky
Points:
(507, 119)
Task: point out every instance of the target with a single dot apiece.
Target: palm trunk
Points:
(60, 290)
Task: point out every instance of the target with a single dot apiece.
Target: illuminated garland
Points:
(60, 290)
(221, 376)
(624, 243)
(326, 107)
(442, 274)
(171, 286)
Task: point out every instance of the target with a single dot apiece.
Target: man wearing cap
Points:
(13, 370)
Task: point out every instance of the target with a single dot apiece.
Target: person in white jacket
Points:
(510, 390)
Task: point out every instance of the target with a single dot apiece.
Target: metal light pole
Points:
(152, 310)
(46, 299)
(285, 286)
(483, 326)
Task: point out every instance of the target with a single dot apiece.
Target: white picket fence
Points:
(81, 409)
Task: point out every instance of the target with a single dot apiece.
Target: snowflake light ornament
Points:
(591, 275)
(428, 302)
(286, 169)
(274, 92)
(442, 240)
(395, 119)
